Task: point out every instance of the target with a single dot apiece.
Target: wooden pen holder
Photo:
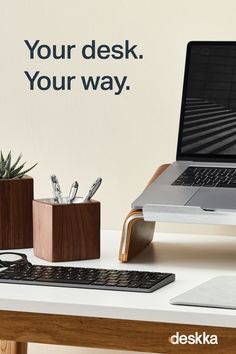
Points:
(66, 232)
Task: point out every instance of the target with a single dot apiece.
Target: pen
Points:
(73, 192)
(56, 189)
(93, 189)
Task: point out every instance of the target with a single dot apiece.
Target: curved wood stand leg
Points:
(11, 347)
(137, 233)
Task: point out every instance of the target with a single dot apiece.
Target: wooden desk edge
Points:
(23, 327)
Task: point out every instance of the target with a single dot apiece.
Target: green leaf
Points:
(2, 158)
(3, 161)
(24, 172)
(5, 175)
(8, 165)
(16, 163)
(17, 170)
(8, 157)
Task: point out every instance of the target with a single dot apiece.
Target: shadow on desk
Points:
(198, 254)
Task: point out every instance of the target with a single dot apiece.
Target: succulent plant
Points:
(11, 171)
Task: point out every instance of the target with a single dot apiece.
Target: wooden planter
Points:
(16, 226)
(66, 232)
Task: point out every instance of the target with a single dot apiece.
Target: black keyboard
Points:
(207, 177)
(89, 278)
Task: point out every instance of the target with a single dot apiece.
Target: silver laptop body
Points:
(207, 132)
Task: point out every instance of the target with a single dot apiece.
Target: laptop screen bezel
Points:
(197, 157)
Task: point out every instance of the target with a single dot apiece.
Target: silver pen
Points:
(73, 192)
(56, 189)
(93, 189)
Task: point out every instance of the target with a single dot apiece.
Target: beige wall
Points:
(82, 134)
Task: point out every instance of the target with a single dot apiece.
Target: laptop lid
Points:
(207, 130)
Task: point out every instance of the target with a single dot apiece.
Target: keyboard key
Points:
(177, 183)
(187, 183)
(145, 286)
(229, 185)
(134, 284)
(209, 184)
(197, 184)
(123, 285)
(84, 281)
(99, 283)
(30, 278)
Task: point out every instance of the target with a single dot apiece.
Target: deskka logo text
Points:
(196, 338)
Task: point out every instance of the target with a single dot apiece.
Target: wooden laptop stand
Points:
(137, 233)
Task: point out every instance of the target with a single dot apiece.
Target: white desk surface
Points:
(193, 258)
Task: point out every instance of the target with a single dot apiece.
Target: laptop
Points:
(204, 173)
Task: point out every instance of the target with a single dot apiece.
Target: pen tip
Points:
(53, 178)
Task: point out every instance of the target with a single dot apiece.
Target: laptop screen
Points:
(208, 113)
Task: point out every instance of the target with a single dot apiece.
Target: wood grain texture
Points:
(16, 229)
(137, 233)
(11, 347)
(158, 172)
(66, 232)
(106, 333)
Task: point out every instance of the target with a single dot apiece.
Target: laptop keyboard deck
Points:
(207, 177)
